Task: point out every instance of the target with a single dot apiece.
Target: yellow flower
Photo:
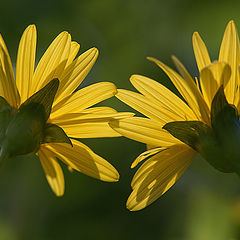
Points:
(176, 130)
(44, 101)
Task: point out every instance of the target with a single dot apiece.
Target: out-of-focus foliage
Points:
(205, 204)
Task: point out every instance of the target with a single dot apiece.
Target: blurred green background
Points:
(204, 204)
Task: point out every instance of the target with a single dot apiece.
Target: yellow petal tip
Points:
(132, 205)
(94, 51)
(32, 27)
(134, 77)
(231, 25)
(152, 59)
(115, 177)
(64, 35)
(195, 35)
(174, 58)
(59, 194)
(134, 164)
(231, 22)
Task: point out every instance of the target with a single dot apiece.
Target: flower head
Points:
(42, 113)
(205, 121)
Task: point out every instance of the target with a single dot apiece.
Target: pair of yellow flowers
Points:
(40, 112)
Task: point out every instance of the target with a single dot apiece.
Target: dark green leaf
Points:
(53, 133)
(189, 132)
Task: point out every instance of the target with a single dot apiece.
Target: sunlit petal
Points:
(188, 90)
(8, 88)
(157, 175)
(212, 77)
(164, 98)
(83, 159)
(84, 98)
(200, 51)
(52, 170)
(89, 125)
(73, 52)
(143, 130)
(53, 62)
(74, 74)
(26, 61)
(229, 53)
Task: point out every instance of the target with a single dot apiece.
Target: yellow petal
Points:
(83, 159)
(167, 100)
(145, 106)
(84, 98)
(182, 70)
(8, 88)
(90, 130)
(102, 110)
(84, 114)
(189, 92)
(212, 77)
(26, 61)
(73, 52)
(87, 116)
(200, 51)
(229, 53)
(144, 130)
(53, 62)
(74, 74)
(52, 170)
(197, 84)
(92, 125)
(158, 174)
(145, 155)
(149, 147)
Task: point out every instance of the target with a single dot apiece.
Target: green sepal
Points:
(218, 103)
(24, 133)
(55, 134)
(218, 144)
(6, 114)
(226, 129)
(189, 132)
(25, 130)
(5, 118)
(42, 100)
(4, 105)
(222, 112)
